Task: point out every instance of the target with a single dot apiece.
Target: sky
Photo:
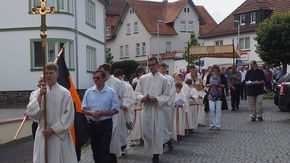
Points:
(218, 9)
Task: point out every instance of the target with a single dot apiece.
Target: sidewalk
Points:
(11, 113)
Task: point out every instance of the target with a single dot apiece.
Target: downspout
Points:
(76, 45)
(105, 41)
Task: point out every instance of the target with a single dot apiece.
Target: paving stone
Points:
(240, 140)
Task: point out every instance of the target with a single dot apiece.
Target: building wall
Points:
(252, 55)
(179, 41)
(16, 74)
(123, 39)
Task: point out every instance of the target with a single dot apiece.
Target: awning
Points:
(220, 51)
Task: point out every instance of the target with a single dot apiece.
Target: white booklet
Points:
(179, 102)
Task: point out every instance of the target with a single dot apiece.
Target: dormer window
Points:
(253, 18)
(242, 19)
(131, 11)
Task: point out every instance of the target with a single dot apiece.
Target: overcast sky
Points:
(218, 9)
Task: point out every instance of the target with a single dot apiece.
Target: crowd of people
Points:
(154, 109)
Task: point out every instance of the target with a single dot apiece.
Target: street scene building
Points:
(124, 89)
(134, 34)
(240, 26)
(76, 25)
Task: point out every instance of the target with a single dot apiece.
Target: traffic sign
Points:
(239, 62)
(201, 63)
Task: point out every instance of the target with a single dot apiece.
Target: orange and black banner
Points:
(79, 130)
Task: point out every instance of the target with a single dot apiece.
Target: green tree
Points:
(192, 42)
(128, 66)
(273, 37)
(109, 57)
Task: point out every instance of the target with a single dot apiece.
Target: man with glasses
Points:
(99, 104)
(153, 91)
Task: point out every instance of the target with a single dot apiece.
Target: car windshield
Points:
(285, 78)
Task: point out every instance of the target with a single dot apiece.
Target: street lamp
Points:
(43, 7)
(158, 22)
(238, 39)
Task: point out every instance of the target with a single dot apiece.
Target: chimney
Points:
(165, 1)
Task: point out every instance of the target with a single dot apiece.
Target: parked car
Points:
(282, 93)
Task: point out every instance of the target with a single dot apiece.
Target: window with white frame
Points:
(62, 6)
(244, 43)
(137, 50)
(253, 18)
(182, 26)
(188, 10)
(108, 31)
(52, 48)
(91, 13)
(184, 10)
(168, 46)
(127, 51)
(91, 59)
(135, 27)
(218, 42)
(190, 26)
(121, 52)
(242, 19)
(143, 48)
(128, 29)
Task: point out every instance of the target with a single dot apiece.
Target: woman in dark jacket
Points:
(216, 83)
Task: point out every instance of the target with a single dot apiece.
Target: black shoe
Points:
(170, 145)
(238, 108)
(155, 158)
(260, 119)
(233, 109)
(253, 119)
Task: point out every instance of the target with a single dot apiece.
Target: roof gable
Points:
(226, 27)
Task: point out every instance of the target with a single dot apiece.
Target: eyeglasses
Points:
(151, 65)
(96, 78)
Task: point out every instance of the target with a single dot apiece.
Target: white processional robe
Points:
(152, 118)
(186, 90)
(116, 85)
(168, 110)
(179, 117)
(128, 99)
(201, 112)
(193, 108)
(136, 132)
(60, 117)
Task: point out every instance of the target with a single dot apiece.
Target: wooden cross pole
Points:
(43, 11)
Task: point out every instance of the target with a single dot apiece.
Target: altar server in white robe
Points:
(135, 134)
(127, 101)
(169, 107)
(60, 117)
(191, 114)
(201, 112)
(153, 92)
(178, 116)
(116, 84)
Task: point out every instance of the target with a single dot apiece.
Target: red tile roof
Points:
(210, 23)
(226, 27)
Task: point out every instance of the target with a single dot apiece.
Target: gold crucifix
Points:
(40, 8)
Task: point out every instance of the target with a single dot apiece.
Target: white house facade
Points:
(148, 28)
(77, 25)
